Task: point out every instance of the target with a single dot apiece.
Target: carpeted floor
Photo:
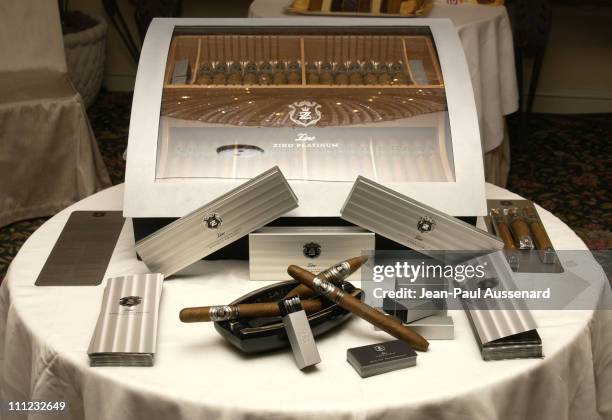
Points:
(564, 164)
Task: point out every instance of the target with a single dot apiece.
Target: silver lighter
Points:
(299, 333)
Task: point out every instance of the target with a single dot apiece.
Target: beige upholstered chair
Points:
(48, 154)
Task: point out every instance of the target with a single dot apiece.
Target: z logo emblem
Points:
(213, 221)
(305, 113)
(426, 224)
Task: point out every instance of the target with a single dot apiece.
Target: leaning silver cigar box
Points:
(273, 249)
(218, 223)
(410, 223)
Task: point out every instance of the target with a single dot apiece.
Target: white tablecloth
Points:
(487, 40)
(44, 333)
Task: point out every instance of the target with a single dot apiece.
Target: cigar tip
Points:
(182, 315)
(422, 342)
(199, 314)
(361, 259)
(292, 269)
(357, 262)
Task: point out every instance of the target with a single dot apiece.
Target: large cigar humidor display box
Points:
(218, 101)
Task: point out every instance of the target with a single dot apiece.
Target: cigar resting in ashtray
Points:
(326, 289)
(244, 310)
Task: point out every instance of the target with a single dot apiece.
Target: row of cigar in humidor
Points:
(401, 7)
(290, 73)
(519, 226)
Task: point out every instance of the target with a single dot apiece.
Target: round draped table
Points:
(486, 36)
(45, 331)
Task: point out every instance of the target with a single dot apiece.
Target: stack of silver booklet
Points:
(126, 331)
(503, 330)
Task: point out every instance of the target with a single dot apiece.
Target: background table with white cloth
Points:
(45, 332)
(49, 157)
(486, 36)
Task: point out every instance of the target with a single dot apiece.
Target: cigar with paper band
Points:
(244, 310)
(329, 291)
(336, 274)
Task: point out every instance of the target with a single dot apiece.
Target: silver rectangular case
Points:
(273, 249)
(126, 330)
(218, 223)
(409, 310)
(410, 223)
(436, 327)
(492, 321)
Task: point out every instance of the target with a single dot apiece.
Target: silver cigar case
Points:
(126, 330)
(436, 327)
(273, 248)
(412, 309)
(409, 310)
(410, 223)
(218, 223)
(501, 332)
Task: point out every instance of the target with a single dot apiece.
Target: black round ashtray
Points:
(265, 334)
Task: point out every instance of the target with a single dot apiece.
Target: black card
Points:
(381, 353)
(83, 250)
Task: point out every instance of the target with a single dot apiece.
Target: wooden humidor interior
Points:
(199, 49)
(243, 105)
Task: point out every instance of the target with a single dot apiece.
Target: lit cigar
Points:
(244, 310)
(355, 306)
(337, 273)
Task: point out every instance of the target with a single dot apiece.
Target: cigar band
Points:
(223, 313)
(338, 272)
(324, 287)
(339, 296)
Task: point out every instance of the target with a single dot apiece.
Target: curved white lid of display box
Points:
(218, 101)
